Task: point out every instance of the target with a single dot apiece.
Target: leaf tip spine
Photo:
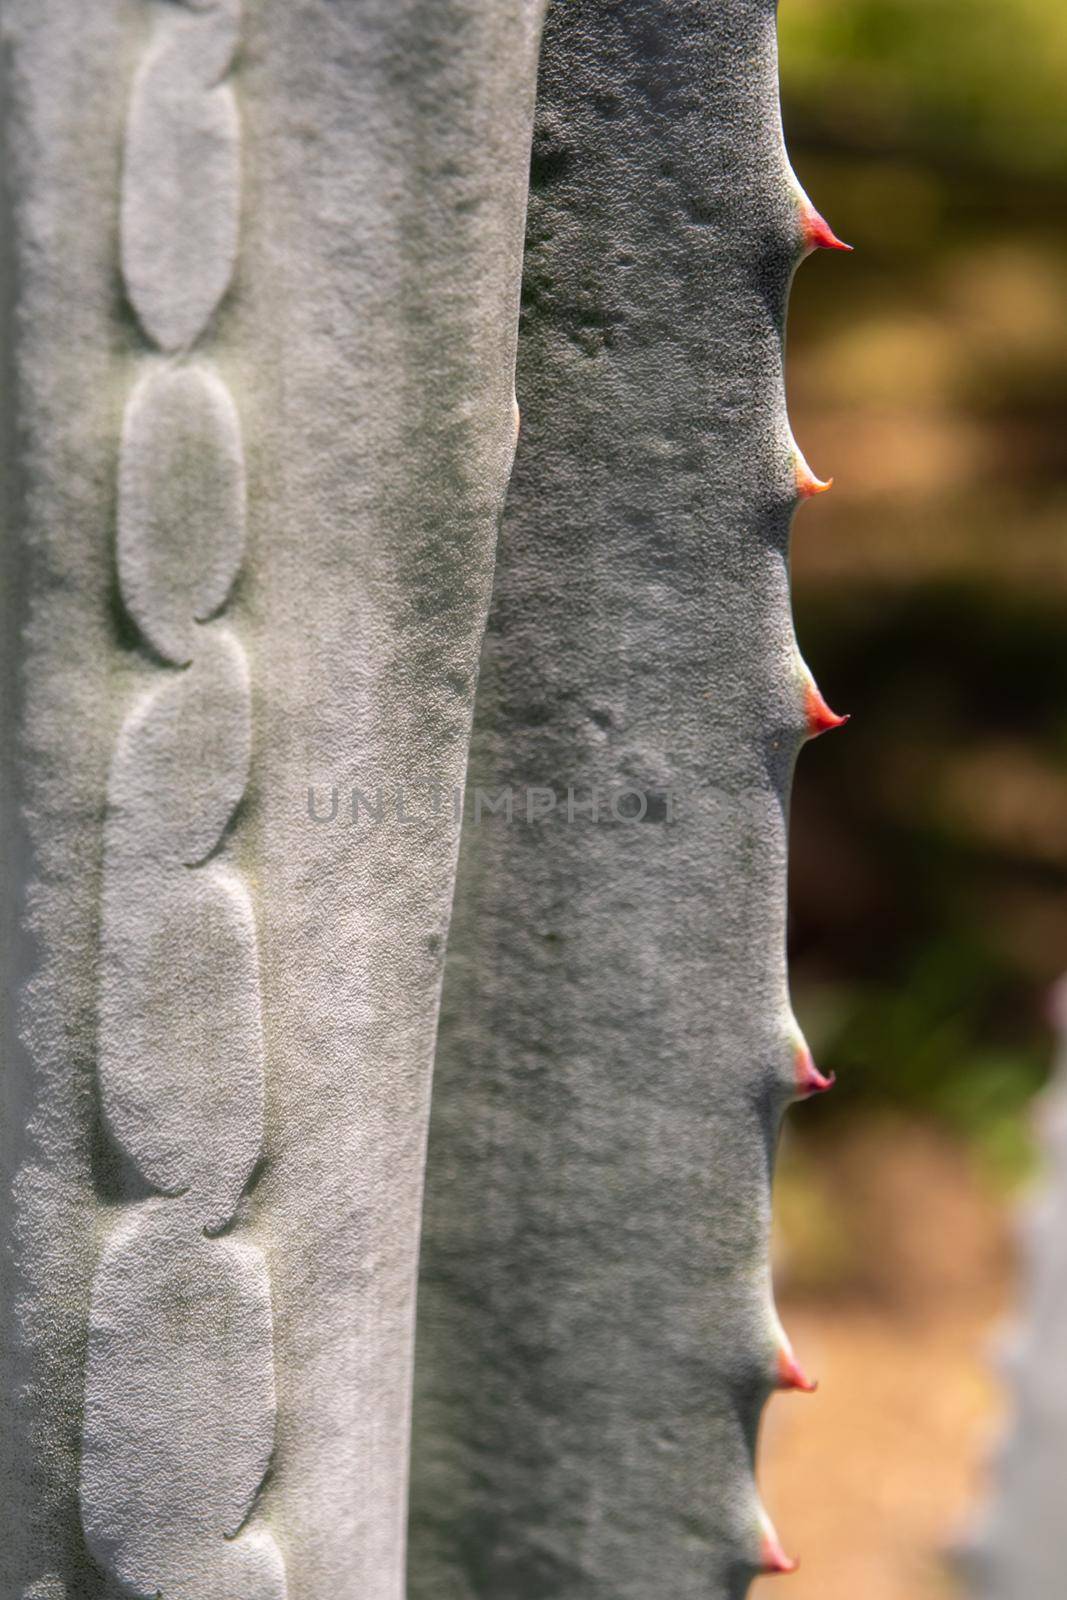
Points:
(809, 1080)
(773, 1558)
(819, 717)
(791, 1375)
(817, 232)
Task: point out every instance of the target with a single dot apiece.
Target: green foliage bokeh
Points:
(928, 374)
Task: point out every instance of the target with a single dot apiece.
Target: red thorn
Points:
(820, 718)
(809, 1079)
(807, 483)
(791, 1374)
(818, 234)
(772, 1557)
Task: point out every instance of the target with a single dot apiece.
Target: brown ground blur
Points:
(893, 1283)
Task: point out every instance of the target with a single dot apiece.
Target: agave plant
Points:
(261, 331)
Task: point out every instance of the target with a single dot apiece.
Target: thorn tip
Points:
(806, 481)
(809, 1079)
(819, 716)
(791, 1374)
(818, 234)
(773, 1558)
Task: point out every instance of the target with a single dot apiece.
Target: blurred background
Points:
(928, 375)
